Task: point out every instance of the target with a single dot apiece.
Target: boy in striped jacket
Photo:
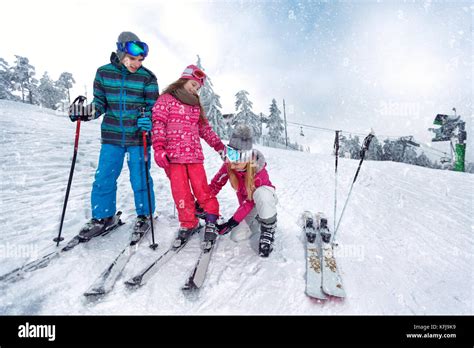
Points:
(121, 88)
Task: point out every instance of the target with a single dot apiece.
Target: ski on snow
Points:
(322, 274)
(107, 279)
(313, 257)
(46, 259)
(146, 273)
(198, 275)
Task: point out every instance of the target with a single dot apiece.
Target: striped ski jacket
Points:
(119, 94)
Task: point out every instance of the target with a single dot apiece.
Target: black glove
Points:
(81, 112)
(200, 213)
(226, 227)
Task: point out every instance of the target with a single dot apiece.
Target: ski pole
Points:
(336, 152)
(145, 153)
(80, 101)
(365, 147)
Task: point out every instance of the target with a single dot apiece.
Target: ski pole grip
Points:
(79, 99)
(366, 144)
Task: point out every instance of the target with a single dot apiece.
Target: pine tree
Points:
(354, 146)
(49, 95)
(375, 151)
(6, 85)
(65, 82)
(244, 114)
(344, 147)
(275, 123)
(410, 155)
(423, 160)
(22, 75)
(212, 105)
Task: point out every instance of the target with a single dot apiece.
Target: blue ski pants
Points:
(104, 189)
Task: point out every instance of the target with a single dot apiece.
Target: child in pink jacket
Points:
(178, 124)
(246, 170)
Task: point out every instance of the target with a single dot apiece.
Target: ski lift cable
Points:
(342, 131)
(429, 148)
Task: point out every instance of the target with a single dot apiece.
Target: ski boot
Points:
(142, 226)
(267, 231)
(95, 227)
(183, 235)
(210, 232)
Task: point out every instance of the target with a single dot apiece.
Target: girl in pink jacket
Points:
(246, 170)
(178, 124)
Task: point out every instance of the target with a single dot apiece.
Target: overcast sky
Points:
(351, 65)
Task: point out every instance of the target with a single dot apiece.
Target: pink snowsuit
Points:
(245, 206)
(177, 131)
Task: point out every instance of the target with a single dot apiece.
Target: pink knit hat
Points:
(192, 72)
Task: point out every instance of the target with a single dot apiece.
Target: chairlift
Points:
(445, 159)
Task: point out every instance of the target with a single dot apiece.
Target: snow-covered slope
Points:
(406, 240)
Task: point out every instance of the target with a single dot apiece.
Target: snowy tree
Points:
(423, 160)
(393, 150)
(375, 151)
(49, 95)
(355, 147)
(212, 105)
(343, 147)
(469, 167)
(349, 147)
(244, 114)
(275, 123)
(388, 148)
(22, 76)
(6, 86)
(409, 155)
(65, 82)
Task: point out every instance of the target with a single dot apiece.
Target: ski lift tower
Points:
(453, 130)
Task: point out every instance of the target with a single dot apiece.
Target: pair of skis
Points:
(107, 279)
(195, 280)
(45, 260)
(322, 273)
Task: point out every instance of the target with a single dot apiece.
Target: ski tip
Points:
(133, 283)
(189, 287)
(94, 294)
(12, 276)
(191, 293)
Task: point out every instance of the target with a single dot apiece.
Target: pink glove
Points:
(161, 159)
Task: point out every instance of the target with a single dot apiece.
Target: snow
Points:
(405, 243)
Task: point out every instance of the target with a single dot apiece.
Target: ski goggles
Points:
(196, 73)
(234, 155)
(199, 74)
(133, 48)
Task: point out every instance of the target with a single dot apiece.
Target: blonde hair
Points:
(250, 168)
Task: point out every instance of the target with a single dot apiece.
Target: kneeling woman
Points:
(246, 170)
